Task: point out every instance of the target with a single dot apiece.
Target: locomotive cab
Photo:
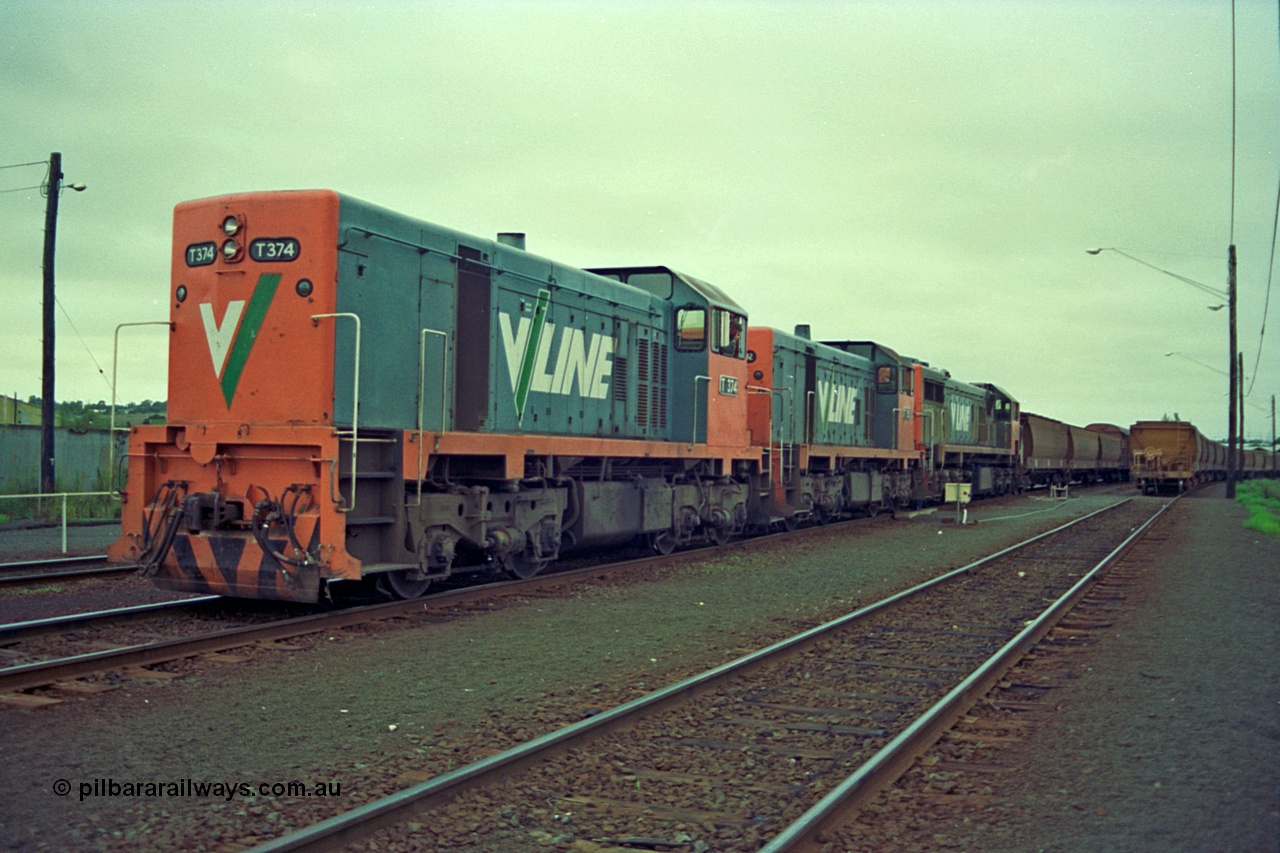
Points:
(708, 354)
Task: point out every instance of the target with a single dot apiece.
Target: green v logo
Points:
(231, 340)
(525, 373)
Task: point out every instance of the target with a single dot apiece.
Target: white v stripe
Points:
(221, 334)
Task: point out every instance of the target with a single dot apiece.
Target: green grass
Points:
(1262, 499)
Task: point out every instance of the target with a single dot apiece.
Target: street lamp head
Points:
(77, 187)
(1093, 251)
(1215, 307)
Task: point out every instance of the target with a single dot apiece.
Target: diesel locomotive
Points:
(356, 394)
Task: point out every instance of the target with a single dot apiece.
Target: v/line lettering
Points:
(582, 366)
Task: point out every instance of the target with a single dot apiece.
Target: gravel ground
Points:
(1169, 739)
(358, 710)
(19, 541)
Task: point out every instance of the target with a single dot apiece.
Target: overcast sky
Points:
(927, 175)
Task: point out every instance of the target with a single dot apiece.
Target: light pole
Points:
(1233, 415)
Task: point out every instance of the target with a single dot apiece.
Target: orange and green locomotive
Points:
(354, 393)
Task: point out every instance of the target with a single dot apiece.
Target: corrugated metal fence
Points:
(82, 459)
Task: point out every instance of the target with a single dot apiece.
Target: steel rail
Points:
(42, 673)
(70, 619)
(73, 575)
(897, 756)
(53, 561)
(359, 822)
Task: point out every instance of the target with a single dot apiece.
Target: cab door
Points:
(727, 383)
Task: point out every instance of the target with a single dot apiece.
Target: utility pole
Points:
(1240, 409)
(46, 387)
(1232, 463)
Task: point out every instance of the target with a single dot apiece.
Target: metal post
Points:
(1232, 459)
(53, 187)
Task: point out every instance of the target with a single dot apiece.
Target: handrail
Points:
(768, 457)
(422, 378)
(930, 438)
(355, 408)
(784, 447)
(111, 432)
(810, 420)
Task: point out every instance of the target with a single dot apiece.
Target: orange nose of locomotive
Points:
(233, 495)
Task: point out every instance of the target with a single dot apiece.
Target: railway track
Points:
(48, 655)
(34, 572)
(48, 678)
(764, 752)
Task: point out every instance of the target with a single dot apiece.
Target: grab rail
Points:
(355, 411)
(115, 358)
(422, 378)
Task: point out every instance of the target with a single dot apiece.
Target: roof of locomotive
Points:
(708, 291)
(869, 349)
(501, 256)
(799, 343)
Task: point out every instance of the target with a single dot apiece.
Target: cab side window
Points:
(729, 336)
(691, 328)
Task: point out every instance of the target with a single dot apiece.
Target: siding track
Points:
(767, 750)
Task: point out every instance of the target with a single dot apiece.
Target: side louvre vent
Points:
(620, 379)
(651, 385)
(658, 385)
(642, 383)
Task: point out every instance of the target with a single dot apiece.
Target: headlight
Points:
(230, 226)
(230, 250)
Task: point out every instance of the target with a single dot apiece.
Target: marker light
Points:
(303, 287)
(182, 293)
(230, 226)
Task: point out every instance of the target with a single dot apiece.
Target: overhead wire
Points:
(83, 342)
(1271, 266)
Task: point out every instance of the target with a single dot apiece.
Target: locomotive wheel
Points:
(718, 535)
(520, 567)
(662, 542)
(402, 585)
